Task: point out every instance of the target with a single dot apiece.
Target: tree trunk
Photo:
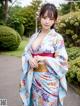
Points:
(5, 10)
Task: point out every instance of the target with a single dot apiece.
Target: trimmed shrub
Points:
(9, 38)
(69, 26)
(73, 75)
(73, 53)
(16, 23)
(20, 29)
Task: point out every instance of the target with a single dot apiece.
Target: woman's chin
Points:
(46, 28)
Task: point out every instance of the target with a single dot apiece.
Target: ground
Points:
(10, 69)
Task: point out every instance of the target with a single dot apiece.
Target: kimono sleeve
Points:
(59, 64)
(27, 53)
(26, 75)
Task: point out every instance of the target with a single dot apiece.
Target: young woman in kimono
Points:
(45, 87)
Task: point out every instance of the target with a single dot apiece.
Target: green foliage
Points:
(17, 52)
(16, 23)
(4, 9)
(1, 12)
(64, 9)
(25, 16)
(35, 4)
(69, 26)
(78, 75)
(68, 7)
(73, 75)
(73, 53)
(29, 24)
(9, 38)
(22, 19)
(29, 14)
(15, 20)
(20, 29)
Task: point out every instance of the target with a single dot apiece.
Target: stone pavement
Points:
(10, 69)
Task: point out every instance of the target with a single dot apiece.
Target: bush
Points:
(73, 53)
(23, 18)
(78, 75)
(2, 22)
(28, 14)
(16, 23)
(73, 75)
(9, 38)
(18, 27)
(69, 26)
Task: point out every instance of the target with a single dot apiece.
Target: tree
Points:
(36, 4)
(4, 7)
(29, 13)
(15, 19)
(71, 5)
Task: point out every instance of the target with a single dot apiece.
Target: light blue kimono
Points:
(45, 88)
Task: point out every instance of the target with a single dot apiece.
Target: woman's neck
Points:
(45, 31)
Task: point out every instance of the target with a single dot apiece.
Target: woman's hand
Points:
(33, 62)
(40, 58)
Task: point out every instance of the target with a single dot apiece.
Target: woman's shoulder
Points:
(57, 35)
(34, 35)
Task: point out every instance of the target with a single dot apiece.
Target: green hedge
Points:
(16, 24)
(73, 53)
(69, 26)
(73, 75)
(9, 38)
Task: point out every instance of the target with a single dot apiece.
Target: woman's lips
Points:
(46, 25)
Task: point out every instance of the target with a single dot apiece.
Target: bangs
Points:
(49, 13)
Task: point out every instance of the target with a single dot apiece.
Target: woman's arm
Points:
(59, 63)
(27, 58)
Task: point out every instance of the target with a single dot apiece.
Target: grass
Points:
(18, 52)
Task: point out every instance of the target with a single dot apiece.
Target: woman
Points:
(45, 49)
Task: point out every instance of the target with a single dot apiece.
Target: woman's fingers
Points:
(39, 58)
(33, 62)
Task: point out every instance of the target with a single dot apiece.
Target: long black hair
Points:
(52, 12)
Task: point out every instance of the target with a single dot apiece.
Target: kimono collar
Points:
(52, 31)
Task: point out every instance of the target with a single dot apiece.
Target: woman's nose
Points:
(47, 20)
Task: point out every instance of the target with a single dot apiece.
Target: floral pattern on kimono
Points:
(42, 88)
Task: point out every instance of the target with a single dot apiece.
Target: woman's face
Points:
(46, 22)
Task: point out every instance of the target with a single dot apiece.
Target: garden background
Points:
(18, 23)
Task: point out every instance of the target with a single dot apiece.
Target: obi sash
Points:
(44, 54)
(41, 65)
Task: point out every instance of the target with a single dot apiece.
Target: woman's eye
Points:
(51, 18)
(44, 17)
